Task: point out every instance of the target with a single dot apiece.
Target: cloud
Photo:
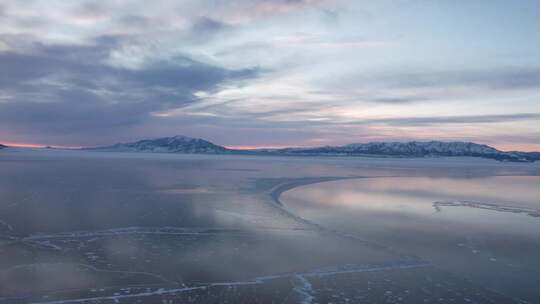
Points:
(205, 25)
(164, 15)
(90, 12)
(248, 11)
(496, 78)
(72, 89)
(457, 119)
(398, 100)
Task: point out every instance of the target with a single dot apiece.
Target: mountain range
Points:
(184, 144)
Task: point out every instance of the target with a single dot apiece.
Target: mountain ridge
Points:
(417, 149)
(189, 145)
(174, 144)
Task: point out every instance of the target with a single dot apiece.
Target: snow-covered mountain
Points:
(414, 149)
(175, 144)
(184, 144)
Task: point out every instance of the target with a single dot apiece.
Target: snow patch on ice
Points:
(486, 206)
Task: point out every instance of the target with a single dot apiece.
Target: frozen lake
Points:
(96, 227)
(485, 229)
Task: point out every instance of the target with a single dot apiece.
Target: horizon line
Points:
(501, 147)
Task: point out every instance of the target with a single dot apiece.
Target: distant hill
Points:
(184, 144)
(2, 146)
(175, 144)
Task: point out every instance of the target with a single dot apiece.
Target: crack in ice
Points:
(303, 288)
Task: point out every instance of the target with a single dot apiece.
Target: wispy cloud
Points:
(439, 120)
(497, 78)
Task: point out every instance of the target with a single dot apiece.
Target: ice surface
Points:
(89, 227)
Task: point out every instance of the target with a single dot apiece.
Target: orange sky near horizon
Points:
(31, 145)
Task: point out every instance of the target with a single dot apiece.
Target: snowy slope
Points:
(175, 144)
(414, 149)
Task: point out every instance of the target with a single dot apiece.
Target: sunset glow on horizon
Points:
(37, 146)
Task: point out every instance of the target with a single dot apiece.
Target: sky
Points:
(274, 73)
